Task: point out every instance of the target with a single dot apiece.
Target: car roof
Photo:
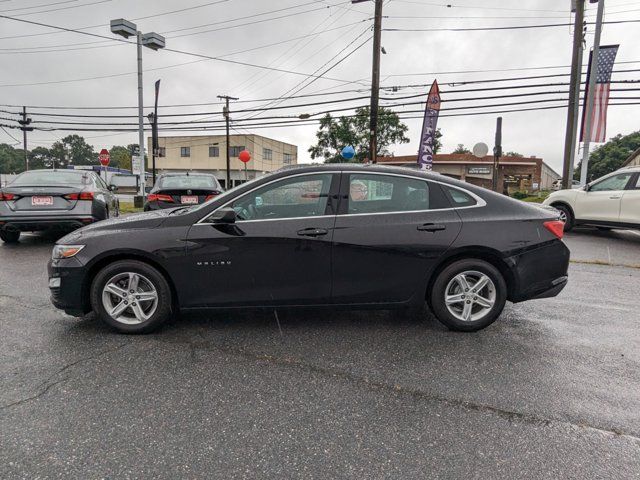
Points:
(182, 174)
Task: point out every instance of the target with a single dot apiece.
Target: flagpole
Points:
(590, 93)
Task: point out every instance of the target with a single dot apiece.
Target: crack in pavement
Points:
(399, 389)
(48, 386)
(36, 306)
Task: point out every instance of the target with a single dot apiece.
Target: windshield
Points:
(184, 182)
(50, 178)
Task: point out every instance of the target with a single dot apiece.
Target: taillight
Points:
(79, 196)
(556, 227)
(158, 197)
(7, 196)
(213, 195)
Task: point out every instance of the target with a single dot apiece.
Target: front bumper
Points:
(69, 293)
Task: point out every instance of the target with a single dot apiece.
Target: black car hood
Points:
(116, 225)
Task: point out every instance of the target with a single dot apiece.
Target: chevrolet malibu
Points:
(317, 236)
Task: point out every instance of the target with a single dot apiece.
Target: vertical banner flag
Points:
(606, 59)
(427, 139)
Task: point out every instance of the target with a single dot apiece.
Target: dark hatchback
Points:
(318, 236)
(182, 188)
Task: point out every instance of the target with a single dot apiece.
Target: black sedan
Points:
(54, 200)
(318, 236)
(182, 188)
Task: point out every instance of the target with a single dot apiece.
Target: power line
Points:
(511, 27)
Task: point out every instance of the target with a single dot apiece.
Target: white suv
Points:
(611, 201)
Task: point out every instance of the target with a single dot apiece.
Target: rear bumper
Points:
(69, 295)
(539, 273)
(32, 223)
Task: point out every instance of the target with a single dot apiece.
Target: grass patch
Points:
(127, 207)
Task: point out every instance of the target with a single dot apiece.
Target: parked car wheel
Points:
(468, 295)
(566, 216)
(10, 236)
(131, 296)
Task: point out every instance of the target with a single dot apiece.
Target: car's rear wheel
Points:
(10, 236)
(131, 296)
(566, 216)
(468, 295)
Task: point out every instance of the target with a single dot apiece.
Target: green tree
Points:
(120, 157)
(461, 149)
(11, 159)
(513, 154)
(42, 157)
(336, 133)
(610, 156)
(75, 150)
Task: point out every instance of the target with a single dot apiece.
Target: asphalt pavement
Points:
(551, 390)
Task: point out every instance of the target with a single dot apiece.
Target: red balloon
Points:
(244, 156)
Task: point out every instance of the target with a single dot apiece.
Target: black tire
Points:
(149, 275)
(566, 211)
(486, 317)
(10, 236)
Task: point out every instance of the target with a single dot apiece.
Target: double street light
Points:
(151, 40)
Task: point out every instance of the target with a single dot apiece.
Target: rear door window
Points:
(369, 193)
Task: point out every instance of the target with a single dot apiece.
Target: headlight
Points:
(65, 251)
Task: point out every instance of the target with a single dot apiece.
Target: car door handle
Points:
(313, 232)
(615, 197)
(431, 227)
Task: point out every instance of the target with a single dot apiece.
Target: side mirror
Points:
(223, 215)
(586, 188)
(113, 188)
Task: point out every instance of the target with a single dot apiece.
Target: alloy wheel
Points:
(129, 298)
(470, 296)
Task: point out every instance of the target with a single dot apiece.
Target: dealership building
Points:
(207, 154)
(527, 174)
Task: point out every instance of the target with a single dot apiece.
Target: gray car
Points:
(54, 200)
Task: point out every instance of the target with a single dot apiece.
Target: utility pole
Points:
(25, 128)
(497, 153)
(574, 96)
(375, 81)
(225, 113)
(591, 88)
(140, 116)
(153, 120)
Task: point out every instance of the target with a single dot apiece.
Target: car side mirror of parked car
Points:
(586, 188)
(113, 188)
(223, 215)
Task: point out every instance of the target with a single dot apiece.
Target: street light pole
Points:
(140, 115)
(150, 40)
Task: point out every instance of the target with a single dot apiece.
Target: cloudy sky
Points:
(43, 67)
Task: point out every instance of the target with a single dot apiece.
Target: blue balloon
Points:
(348, 152)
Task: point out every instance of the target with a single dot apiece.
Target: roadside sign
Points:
(104, 157)
(136, 165)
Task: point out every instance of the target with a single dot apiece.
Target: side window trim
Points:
(332, 195)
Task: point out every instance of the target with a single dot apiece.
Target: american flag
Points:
(606, 59)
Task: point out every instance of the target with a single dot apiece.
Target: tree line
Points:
(70, 150)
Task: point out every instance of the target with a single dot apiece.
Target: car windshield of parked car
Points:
(184, 182)
(35, 178)
(300, 196)
(615, 182)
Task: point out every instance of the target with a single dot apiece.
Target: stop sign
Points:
(104, 157)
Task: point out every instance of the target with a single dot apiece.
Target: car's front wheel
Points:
(468, 295)
(131, 296)
(10, 236)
